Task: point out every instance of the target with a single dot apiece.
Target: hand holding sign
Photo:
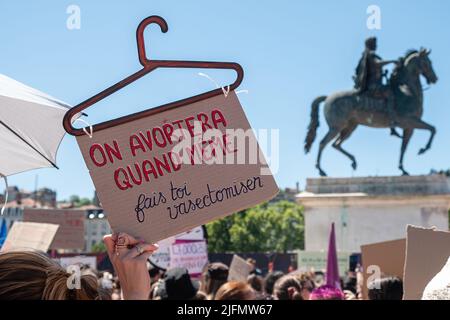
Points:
(129, 259)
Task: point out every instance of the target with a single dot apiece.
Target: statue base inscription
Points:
(372, 209)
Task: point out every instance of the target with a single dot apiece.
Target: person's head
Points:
(288, 287)
(387, 288)
(251, 262)
(200, 296)
(270, 280)
(327, 292)
(235, 290)
(32, 275)
(155, 274)
(307, 285)
(178, 285)
(214, 276)
(371, 43)
(256, 282)
(350, 283)
(158, 291)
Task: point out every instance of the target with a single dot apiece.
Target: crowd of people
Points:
(32, 275)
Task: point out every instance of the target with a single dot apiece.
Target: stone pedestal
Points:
(371, 209)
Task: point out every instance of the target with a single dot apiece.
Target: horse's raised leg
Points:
(344, 135)
(407, 133)
(414, 123)
(430, 140)
(328, 137)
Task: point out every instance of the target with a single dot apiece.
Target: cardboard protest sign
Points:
(161, 258)
(239, 269)
(30, 235)
(317, 260)
(163, 174)
(70, 233)
(388, 257)
(427, 251)
(192, 255)
(90, 261)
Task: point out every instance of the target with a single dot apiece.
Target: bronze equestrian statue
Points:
(399, 103)
(369, 78)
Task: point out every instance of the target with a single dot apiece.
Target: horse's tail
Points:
(314, 124)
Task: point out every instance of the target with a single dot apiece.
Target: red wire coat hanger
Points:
(149, 66)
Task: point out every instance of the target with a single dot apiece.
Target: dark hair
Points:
(306, 282)
(153, 272)
(200, 296)
(288, 287)
(387, 288)
(235, 290)
(214, 276)
(32, 275)
(270, 280)
(349, 284)
(256, 282)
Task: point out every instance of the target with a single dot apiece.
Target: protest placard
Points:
(163, 174)
(239, 269)
(427, 251)
(161, 258)
(382, 259)
(317, 261)
(30, 235)
(90, 261)
(192, 255)
(70, 234)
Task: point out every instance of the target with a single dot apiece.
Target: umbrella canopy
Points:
(30, 127)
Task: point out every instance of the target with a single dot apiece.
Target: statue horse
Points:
(344, 111)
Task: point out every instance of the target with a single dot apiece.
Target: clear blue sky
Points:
(292, 51)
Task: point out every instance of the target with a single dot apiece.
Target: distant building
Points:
(45, 196)
(12, 213)
(96, 226)
(42, 198)
(288, 194)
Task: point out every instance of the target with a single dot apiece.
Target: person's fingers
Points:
(124, 239)
(109, 244)
(114, 236)
(145, 256)
(142, 248)
(138, 250)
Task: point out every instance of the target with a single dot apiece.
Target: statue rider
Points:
(369, 78)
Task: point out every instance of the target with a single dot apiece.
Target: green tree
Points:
(83, 202)
(98, 247)
(74, 199)
(79, 202)
(269, 227)
(219, 239)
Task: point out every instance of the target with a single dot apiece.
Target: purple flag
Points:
(332, 262)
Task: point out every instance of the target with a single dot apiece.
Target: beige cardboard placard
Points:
(192, 255)
(70, 233)
(150, 180)
(30, 235)
(239, 269)
(389, 256)
(427, 251)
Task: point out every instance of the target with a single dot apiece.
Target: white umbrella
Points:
(30, 127)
